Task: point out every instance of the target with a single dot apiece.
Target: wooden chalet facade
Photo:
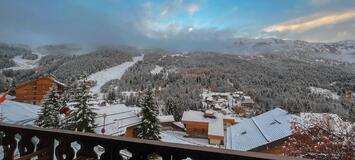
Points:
(33, 92)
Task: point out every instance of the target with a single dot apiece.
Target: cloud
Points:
(320, 2)
(192, 9)
(312, 22)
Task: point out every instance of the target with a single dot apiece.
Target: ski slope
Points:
(25, 63)
(112, 73)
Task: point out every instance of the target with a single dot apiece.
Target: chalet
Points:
(33, 92)
(209, 124)
(244, 106)
(261, 133)
(247, 101)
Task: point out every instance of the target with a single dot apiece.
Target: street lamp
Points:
(103, 128)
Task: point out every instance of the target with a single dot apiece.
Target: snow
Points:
(215, 125)
(222, 102)
(19, 113)
(181, 138)
(179, 124)
(118, 118)
(167, 118)
(324, 92)
(112, 73)
(156, 70)
(327, 121)
(26, 63)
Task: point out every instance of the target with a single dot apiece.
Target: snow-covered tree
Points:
(82, 118)
(322, 138)
(111, 96)
(150, 127)
(172, 109)
(49, 116)
(11, 87)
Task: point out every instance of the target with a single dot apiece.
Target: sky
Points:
(174, 24)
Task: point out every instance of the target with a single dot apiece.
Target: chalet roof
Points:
(260, 130)
(19, 113)
(247, 99)
(47, 76)
(118, 118)
(215, 125)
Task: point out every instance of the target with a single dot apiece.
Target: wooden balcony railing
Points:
(25, 142)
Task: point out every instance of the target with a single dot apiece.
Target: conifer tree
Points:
(83, 118)
(150, 128)
(11, 87)
(172, 109)
(49, 116)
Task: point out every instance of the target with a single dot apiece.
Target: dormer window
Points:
(275, 121)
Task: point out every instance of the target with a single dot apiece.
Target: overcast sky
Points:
(180, 24)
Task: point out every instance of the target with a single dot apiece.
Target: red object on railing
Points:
(3, 97)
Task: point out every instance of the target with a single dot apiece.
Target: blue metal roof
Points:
(259, 130)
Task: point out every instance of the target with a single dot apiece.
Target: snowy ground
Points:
(179, 137)
(112, 73)
(25, 63)
(324, 92)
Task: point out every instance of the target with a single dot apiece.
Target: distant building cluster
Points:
(229, 102)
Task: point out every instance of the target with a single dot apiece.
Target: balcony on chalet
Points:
(25, 143)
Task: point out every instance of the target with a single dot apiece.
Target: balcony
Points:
(25, 143)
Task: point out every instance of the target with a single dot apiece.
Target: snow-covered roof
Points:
(260, 130)
(194, 116)
(166, 118)
(209, 99)
(19, 113)
(247, 99)
(51, 77)
(215, 125)
(118, 118)
(179, 124)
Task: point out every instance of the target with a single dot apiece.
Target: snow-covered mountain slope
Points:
(112, 73)
(273, 45)
(18, 113)
(22, 63)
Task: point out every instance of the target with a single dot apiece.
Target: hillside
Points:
(68, 67)
(274, 80)
(282, 72)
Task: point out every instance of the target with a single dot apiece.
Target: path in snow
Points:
(112, 73)
(26, 63)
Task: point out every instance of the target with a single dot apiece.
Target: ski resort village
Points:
(227, 121)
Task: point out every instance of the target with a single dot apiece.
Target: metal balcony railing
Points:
(26, 142)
